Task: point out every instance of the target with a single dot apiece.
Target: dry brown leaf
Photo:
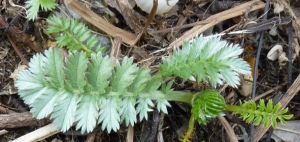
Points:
(295, 46)
(132, 17)
(16, 72)
(245, 88)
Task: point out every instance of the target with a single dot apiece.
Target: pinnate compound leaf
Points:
(206, 58)
(73, 34)
(266, 113)
(87, 114)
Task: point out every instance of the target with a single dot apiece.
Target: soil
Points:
(16, 50)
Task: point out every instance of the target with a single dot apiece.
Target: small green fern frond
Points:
(206, 58)
(34, 5)
(207, 105)
(73, 34)
(266, 113)
(75, 89)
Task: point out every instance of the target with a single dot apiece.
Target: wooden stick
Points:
(228, 129)
(17, 120)
(39, 134)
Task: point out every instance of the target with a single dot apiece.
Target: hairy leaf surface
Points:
(64, 112)
(75, 72)
(87, 114)
(206, 58)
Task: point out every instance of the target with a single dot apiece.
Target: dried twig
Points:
(150, 18)
(39, 134)
(217, 18)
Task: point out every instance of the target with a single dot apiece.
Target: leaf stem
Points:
(233, 108)
(179, 96)
(83, 47)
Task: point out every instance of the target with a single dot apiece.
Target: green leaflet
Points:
(123, 76)
(128, 113)
(261, 113)
(109, 114)
(87, 114)
(53, 66)
(76, 67)
(34, 5)
(98, 73)
(207, 59)
(64, 111)
(75, 89)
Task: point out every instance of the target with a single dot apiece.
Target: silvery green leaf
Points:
(108, 115)
(64, 112)
(123, 76)
(76, 67)
(98, 73)
(53, 68)
(206, 58)
(127, 112)
(162, 105)
(44, 105)
(143, 107)
(87, 114)
(138, 84)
